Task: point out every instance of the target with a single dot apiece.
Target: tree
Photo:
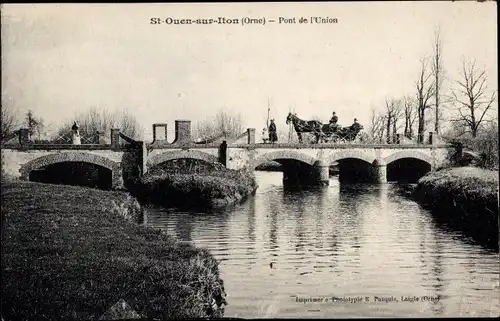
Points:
(393, 113)
(377, 123)
(410, 113)
(223, 123)
(97, 120)
(437, 72)
(9, 121)
(470, 97)
(35, 124)
(425, 90)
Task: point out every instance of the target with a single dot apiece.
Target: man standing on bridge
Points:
(273, 136)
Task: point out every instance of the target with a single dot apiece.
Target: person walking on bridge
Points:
(273, 135)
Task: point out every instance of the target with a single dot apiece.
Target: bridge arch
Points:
(283, 154)
(350, 153)
(409, 154)
(192, 154)
(114, 167)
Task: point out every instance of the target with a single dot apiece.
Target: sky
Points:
(60, 60)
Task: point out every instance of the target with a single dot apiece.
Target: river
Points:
(367, 245)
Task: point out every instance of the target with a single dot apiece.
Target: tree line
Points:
(468, 102)
(96, 123)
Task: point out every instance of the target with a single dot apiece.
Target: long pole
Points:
(268, 111)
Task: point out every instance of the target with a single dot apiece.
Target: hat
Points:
(272, 119)
(355, 119)
(333, 112)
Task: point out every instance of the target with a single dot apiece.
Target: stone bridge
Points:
(307, 163)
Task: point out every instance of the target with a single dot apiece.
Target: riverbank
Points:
(213, 188)
(71, 253)
(466, 197)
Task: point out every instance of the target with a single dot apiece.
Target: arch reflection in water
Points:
(342, 240)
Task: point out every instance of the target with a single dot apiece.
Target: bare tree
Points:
(470, 97)
(393, 113)
(98, 120)
(437, 72)
(35, 124)
(425, 90)
(377, 126)
(410, 113)
(128, 124)
(223, 123)
(9, 121)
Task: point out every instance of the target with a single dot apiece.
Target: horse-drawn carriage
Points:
(326, 132)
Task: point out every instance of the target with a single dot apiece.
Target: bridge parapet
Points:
(338, 146)
(95, 143)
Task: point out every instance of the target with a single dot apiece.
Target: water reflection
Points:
(343, 240)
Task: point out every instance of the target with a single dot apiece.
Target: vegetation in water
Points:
(187, 182)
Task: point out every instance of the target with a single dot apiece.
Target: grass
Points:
(71, 253)
(470, 182)
(466, 196)
(213, 187)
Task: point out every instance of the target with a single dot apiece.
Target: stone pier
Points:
(379, 170)
(182, 132)
(321, 172)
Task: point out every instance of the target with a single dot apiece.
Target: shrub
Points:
(466, 196)
(218, 186)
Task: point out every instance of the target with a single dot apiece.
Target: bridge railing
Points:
(362, 138)
(194, 138)
(22, 138)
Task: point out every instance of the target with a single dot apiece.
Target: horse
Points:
(344, 134)
(305, 126)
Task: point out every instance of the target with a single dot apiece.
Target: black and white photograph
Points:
(253, 160)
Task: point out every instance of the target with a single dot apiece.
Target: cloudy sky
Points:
(59, 60)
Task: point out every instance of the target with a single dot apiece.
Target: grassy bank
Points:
(212, 188)
(71, 253)
(467, 197)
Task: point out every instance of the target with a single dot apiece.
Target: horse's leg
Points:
(299, 134)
